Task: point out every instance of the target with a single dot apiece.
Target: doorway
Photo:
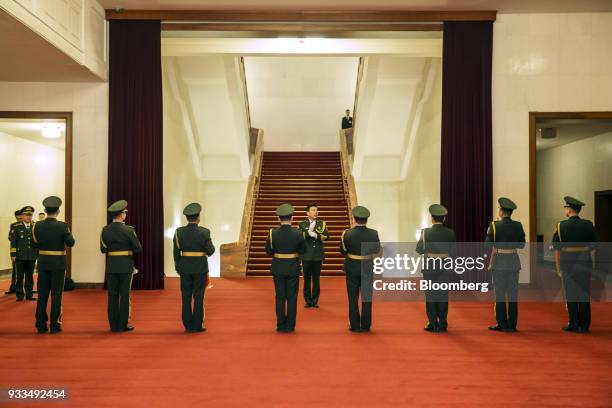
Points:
(36, 161)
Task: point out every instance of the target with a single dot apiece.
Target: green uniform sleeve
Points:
(343, 249)
(136, 245)
(208, 244)
(68, 238)
(103, 247)
(176, 249)
(269, 244)
(420, 246)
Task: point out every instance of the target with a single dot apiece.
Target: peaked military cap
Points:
(284, 210)
(360, 212)
(117, 207)
(438, 210)
(52, 203)
(18, 212)
(506, 203)
(572, 202)
(27, 210)
(192, 209)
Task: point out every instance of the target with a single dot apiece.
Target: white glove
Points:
(312, 234)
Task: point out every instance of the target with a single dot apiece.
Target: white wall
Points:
(89, 104)
(382, 199)
(299, 101)
(577, 169)
(543, 62)
(222, 202)
(32, 172)
(421, 187)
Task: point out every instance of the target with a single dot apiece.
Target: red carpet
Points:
(242, 361)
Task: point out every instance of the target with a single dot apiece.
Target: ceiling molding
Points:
(240, 16)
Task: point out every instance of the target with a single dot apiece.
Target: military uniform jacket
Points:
(505, 234)
(13, 250)
(285, 240)
(314, 246)
(192, 240)
(52, 235)
(21, 241)
(437, 239)
(118, 236)
(351, 243)
(574, 232)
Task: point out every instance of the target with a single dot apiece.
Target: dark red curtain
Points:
(135, 139)
(466, 164)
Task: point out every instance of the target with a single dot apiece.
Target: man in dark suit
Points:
(575, 238)
(13, 253)
(119, 242)
(192, 247)
(358, 267)
(285, 244)
(504, 237)
(315, 231)
(436, 243)
(347, 120)
(51, 237)
(25, 254)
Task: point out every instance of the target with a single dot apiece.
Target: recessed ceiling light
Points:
(52, 131)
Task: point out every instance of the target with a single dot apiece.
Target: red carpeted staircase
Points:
(299, 178)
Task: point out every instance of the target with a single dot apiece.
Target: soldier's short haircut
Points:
(506, 212)
(576, 208)
(309, 206)
(438, 218)
(192, 218)
(360, 220)
(285, 217)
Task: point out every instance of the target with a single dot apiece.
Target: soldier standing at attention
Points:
(504, 237)
(119, 242)
(13, 252)
(436, 243)
(51, 237)
(25, 254)
(574, 238)
(358, 267)
(285, 244)
(192, 246)
(315, 231)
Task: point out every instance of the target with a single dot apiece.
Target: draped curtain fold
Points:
(466, 177)
(135, 142)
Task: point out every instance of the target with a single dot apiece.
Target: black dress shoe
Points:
(129, 328)
(10, 292)
(497, 327)
(201, 329)
(510, 329)
(56, 330)
(441, 329)
(582, 330)
(365, 330)
(307, 305)
(569, 328)
(315, 305)
(19, 299)
(354, 330)
(30, 298)
(430, 328)
(42, 330)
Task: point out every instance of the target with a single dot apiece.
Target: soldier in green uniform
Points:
(25, 254)
(436, 243)
(119, 242)
(504, 238)
(358, 267)
(315, 231)
(574, 238)
(13, 253)
(51, 237)
(285, 244)
(192, 246)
